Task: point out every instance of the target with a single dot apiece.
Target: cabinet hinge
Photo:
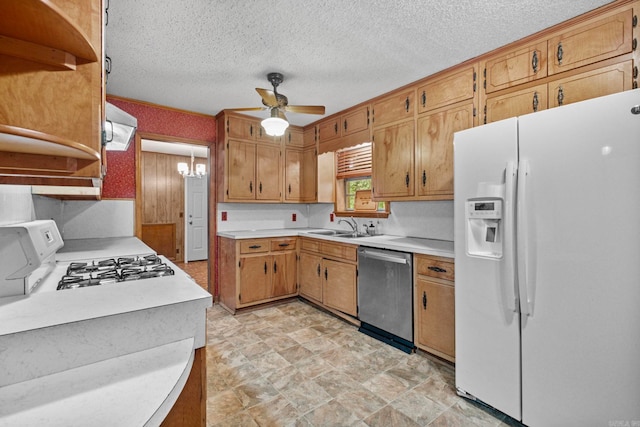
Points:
(239, 264)
(634, 21)
(227, 145)
(227, 130)
(474, 87)
(474, 111)
(356, 272)
(239, 297)
(227, 191)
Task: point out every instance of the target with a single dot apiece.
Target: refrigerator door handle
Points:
(523, 253)
(509, 272)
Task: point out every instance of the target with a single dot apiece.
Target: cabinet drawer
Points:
(346, 252)
(435, 267)
(514, 68)
(253, 246)
(283, 244)
(455, 87)
(397, 107)
(310, 245)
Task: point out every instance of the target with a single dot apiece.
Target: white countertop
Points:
(443, 248)
(83, 249)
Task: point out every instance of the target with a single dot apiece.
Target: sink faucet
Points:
(353, 224)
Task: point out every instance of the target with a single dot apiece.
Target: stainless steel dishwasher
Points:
(385, 296)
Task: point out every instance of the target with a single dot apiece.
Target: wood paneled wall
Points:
(163, 195)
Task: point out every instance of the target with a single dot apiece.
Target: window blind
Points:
(353, 162)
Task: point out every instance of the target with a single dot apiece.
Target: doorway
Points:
(172, 211)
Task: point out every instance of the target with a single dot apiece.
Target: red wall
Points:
(120, 181)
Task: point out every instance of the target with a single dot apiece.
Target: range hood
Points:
(119, 128)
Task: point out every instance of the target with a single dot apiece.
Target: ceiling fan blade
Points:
(306, 109)
(247, 109)
(268, 97)
(281, 115)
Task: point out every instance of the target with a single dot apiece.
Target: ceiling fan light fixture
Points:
(274, 125)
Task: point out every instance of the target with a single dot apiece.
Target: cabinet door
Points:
(592, 84)
(436, 316)
(435, 147)
(446, 90)
(393, 108)
(241, 128)
(328, 130)
(514, 68)
(293, 138)
(311, 276)
(309, 189)
(241, 170)
(393, 161)
(255, 279)
(284, 274)
(301, 175)
(268, 172)
(340, 286)
(516, 103)
(590, 43)
(309, 136)
(355, 121)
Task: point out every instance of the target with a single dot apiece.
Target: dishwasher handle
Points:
(383, 256)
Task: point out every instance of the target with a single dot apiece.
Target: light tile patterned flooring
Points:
(295, 365)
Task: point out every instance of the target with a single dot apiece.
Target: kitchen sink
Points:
(327, 232)
(352, 235)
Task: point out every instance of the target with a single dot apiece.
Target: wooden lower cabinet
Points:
(328, 274)
(434, 304)
(255, 271)
(190, 410)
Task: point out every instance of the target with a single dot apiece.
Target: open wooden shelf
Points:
(18, 140)
(37, 30)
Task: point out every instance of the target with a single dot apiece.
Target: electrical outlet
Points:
(330, 217)
(293, 217)
(224, 216)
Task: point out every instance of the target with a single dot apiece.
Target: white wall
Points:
(16, 204)
(432, 220)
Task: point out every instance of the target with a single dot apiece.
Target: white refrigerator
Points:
(547, 253)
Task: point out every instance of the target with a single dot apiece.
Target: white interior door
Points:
(196, 202)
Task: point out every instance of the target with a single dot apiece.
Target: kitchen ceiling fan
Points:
(278, 104)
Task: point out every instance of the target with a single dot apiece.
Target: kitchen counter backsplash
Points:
(428, 220)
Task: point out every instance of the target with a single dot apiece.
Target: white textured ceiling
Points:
(205, 56)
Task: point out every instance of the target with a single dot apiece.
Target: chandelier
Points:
(186, 172)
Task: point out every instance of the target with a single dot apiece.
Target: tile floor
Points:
(295, 365)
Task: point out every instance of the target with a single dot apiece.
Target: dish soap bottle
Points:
(371, 229)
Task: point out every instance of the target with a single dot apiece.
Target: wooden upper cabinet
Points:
(393, 161)
(516, 67)
(595, 41)
(355, 121)
(293, 137)
(517, 103)
(242, 128)
(435, 148)
(591, 84)
(328, 130)
(268, 174)
(300, 175)
(241, 170)
(453, 87)
(399, 106)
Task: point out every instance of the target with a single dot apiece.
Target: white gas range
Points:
(42, 262)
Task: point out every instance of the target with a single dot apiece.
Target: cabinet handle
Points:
(251, 130)
(406, 179)
(335, 127)
(424, 98)
(559, 53)
(265, 267)
(406, 104)
(560, 95)
(345, 125)
(289, 136)
(424, 178)
(260, 131)
(289, 188)
(260, 187)
(437, 269)
(275, 267)
(318, 270)
(255, 246)
(251, 186)
(534, 61)
(424, 299)
(535, 101)
(326, 274)
(283, 245)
